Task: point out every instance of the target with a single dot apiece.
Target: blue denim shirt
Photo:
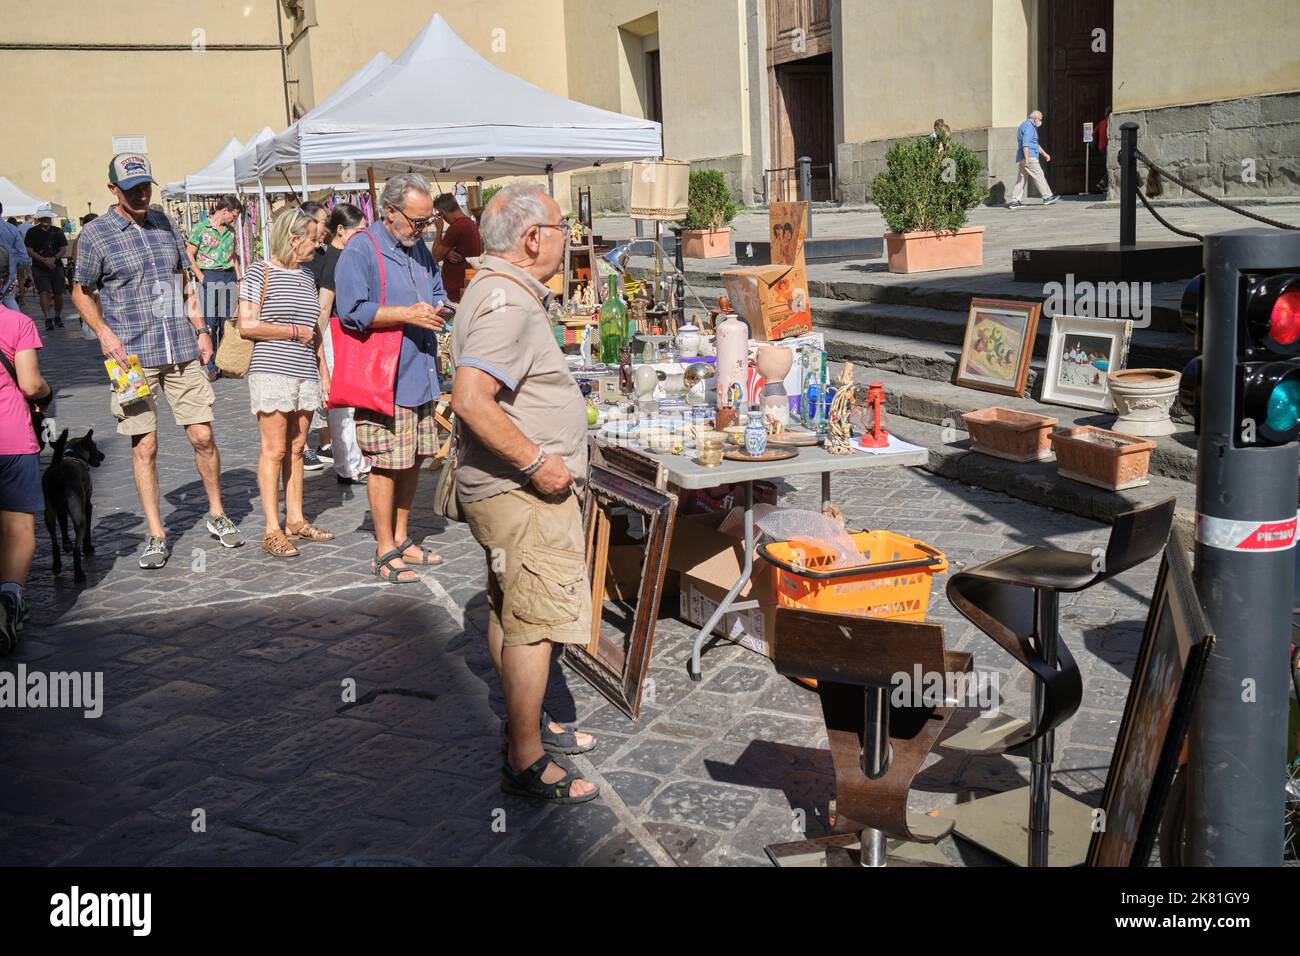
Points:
(1027, 135)
(410, 276)
(11, 240)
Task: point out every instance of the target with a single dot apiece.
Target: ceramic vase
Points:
(774, 363)
(755, 435)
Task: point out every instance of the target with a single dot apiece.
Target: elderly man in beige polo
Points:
(522, 464)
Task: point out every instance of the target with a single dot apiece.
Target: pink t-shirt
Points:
(17, 334)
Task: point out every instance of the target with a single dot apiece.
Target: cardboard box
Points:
(772, 299)
(708, 563)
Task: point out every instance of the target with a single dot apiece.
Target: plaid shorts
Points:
(394, 442)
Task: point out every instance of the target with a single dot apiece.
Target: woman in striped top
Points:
(278, 308)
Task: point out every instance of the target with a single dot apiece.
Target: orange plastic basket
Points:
(893, 581)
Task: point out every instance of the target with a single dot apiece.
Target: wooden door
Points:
(801, 90)
(807, 92)
(1080, 55)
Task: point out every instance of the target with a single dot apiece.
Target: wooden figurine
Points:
(839, 435)
(575, 233)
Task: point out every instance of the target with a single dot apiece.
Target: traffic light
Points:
(1268, 384)
(1266, 396)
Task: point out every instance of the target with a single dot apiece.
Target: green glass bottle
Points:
(613, 324)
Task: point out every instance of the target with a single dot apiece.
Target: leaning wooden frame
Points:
(618, 670)
(1176, 643)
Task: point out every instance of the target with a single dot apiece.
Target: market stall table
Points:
(684, 473)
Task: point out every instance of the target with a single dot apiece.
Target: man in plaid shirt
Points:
(148, 308)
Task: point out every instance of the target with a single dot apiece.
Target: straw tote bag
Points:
(235, 353)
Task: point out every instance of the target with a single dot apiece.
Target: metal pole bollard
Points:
(1128, 183)
(805, 188)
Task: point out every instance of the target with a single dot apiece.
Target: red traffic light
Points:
(1284, 323)
(1273, 316)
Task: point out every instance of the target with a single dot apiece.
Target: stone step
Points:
(933, 361)
(933, 291)
(1039, 482)
(942, 405)
(1149, 348)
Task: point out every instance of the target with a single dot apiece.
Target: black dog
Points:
(68, 492)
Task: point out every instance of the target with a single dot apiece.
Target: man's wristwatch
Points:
(535, 466)
(199, 333)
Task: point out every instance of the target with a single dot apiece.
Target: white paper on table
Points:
(896, 444)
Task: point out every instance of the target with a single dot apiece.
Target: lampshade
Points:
(660, 190)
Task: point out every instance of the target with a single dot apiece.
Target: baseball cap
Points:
(128, 170)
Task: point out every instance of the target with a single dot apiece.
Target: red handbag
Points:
(365, 363)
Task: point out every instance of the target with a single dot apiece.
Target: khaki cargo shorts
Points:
(187, 390)
(537, 565)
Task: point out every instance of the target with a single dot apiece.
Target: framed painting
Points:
(629, 527)
(998, 345)
(1081, 353)
(1176, 643)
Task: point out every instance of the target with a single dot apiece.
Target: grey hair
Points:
(398, 186)
(509, 214)
(1038, 113)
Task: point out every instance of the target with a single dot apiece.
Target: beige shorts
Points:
(537, 565)
(187, 390)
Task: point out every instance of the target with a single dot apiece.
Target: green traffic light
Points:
(1284, 406)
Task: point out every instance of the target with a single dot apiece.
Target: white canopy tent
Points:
(495, 124)
(19, 202)
(262, 156)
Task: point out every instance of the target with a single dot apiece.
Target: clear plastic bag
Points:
(794, 524)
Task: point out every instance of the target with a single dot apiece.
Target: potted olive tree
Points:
(924, 194)
(709, 209)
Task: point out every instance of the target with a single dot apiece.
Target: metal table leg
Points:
(702, 635)
(875, 762)
(1042, 751)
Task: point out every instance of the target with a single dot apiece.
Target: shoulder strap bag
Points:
(445, 501)
(365, 363)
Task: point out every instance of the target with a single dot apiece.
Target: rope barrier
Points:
(1164, 222)
(1206, 196)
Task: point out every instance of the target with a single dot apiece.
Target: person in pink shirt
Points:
(21, 386)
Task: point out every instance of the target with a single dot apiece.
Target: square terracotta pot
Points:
(931, 251)
(706, 243)
(1103, 458)
(1008, 434)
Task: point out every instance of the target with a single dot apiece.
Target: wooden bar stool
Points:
(1014, 599)
(877, 748)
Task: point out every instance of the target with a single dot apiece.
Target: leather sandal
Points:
(394, 575)
(425, 554)
(528, 783)
(277, 545)
(309, 532)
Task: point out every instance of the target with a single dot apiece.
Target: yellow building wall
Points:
(907, 63)
(1206, 51)
(62, 107)
(701, 64)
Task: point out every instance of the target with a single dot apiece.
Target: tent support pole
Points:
(550, 180)
(266, 215)
(302, 169)
(374, 203)
(189, 212)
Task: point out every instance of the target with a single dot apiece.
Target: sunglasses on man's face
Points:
(419, 225)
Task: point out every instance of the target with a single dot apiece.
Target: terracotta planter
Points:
(930, 251)
(1011, 435)
(706, 243)
(1143, 397)
(1107, 459)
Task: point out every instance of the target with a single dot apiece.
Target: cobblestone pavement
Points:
(223, 678)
